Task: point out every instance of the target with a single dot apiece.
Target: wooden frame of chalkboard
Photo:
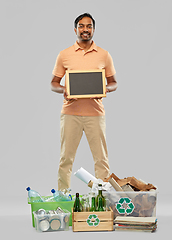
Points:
(85, 84)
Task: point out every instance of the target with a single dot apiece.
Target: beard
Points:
(87, 38)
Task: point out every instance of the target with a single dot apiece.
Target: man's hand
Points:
(65, 94)
(111, 84)
(96, 97)
(56, 87)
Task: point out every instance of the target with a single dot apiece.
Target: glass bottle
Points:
(100, 195)
(100, 204)
(93, 204)
(85, 203)
(77, 204)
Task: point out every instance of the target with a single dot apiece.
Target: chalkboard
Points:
(86, 84)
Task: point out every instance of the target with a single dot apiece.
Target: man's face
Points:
(85, 30)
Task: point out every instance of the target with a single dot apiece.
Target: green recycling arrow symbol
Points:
(121, 209)
(93, 220)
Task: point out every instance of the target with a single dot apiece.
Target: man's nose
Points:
(85, 29)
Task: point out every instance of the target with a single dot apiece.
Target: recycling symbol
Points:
(120, 208)
(93, 220)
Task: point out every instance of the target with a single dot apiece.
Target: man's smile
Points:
(85, 34)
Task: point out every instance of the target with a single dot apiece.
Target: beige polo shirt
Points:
(75, 58)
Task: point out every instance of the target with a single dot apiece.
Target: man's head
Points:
(81, 17)
(84, 27)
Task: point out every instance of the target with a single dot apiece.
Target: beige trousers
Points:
(72, 128)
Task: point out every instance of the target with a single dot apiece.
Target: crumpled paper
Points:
(106, 186)
(136, 184)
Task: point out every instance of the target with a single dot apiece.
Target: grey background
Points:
(138, 36)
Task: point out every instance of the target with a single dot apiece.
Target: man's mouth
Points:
(85, 34)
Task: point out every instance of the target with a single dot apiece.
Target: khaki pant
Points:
(72, 128)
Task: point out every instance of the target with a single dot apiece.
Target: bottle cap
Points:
(28, 189)
(70, 196)
(52, 190)
(77, 194)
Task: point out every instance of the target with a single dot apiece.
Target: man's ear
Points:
(75, 30)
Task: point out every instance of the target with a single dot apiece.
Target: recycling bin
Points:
(68, 205)
(51, 221)
(136, 204)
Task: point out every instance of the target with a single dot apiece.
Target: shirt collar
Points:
(93, 47)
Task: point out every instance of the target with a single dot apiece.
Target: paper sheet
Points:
(85, 176)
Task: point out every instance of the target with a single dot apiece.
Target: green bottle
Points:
(100, 195)
(93, 204)
(77, 204)
(100, 205)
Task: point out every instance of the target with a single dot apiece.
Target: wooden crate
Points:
(92, 221)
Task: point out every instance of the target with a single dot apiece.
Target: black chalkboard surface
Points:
(86, 84)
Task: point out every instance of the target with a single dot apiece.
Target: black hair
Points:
(81, 17)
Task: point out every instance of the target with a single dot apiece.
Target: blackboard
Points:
(86, 84)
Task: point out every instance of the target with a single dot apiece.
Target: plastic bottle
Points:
(56, 195)
(66, 192)
(60, 196)
(34, 196)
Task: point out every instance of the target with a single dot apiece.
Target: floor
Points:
(20, 227)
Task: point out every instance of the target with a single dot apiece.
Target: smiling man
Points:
(85, 30)
(83, 114)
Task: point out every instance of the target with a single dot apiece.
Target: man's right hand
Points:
(65, 94)
(56, 87)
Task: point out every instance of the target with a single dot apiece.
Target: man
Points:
(83, 114)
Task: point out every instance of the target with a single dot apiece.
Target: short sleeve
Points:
(59, 69)
(109, 66)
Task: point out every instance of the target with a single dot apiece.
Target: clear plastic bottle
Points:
(34, 196)
(67, 194)
(56, 195)
(61, 196)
